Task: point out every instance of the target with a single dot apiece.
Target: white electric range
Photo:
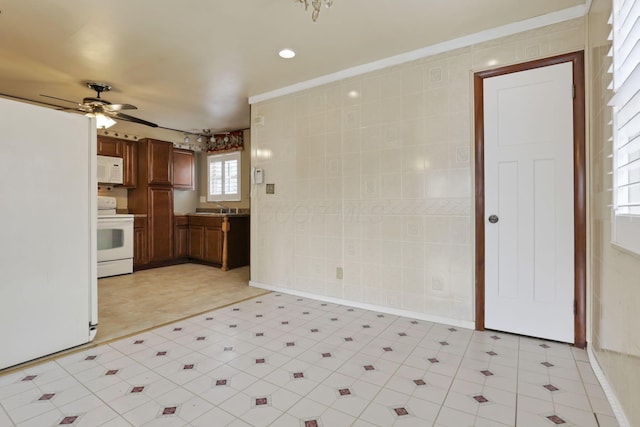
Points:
(115, 239)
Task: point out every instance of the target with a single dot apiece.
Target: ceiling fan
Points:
(104, 111)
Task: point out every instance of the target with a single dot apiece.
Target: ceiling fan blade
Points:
(119, 107)
(59, 99)
(6, 95)
(128, 118)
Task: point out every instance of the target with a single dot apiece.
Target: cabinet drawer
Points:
(203, 220)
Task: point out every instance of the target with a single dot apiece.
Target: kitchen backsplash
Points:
(119, 193)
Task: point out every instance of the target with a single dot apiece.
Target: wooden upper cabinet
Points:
(109, 147)
(160, 158)
(184, 169)
(130, 164)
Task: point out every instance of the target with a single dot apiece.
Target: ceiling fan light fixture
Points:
(102, 121)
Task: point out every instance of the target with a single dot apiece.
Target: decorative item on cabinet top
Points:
(116, 134)
(227, 141)
(178, 142)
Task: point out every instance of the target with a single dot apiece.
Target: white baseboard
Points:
(382, 309)
(608, 391)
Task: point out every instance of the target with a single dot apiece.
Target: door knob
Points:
(493, 219)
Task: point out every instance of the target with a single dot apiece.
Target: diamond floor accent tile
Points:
(171, 410)
(556, 419)
(68, 420)
(335, 366)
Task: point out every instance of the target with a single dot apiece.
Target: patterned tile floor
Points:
(279, 360)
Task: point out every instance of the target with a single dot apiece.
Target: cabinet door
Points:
(196, 242)
(130, 161)
(160, 157)
(109, 147)
(139, 241)
(183, 169)
(160, 219)
(213, 245)
(181, 237)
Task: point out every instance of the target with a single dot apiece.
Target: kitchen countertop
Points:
(218, 214)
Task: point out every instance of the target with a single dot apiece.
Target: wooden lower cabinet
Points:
(196, 242)
(218, 240)
(160, 222)
(213, 245)
(140, 251)
(205, 238)
(213, 240)
(181, 237)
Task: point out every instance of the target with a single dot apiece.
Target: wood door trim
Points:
(579, 186)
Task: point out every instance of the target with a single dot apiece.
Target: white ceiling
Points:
(192, 64)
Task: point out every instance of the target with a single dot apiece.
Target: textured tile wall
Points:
(614, 274)
(374, 174)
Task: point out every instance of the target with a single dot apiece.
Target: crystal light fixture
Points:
(316, 4)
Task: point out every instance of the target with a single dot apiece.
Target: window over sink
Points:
(224, 177)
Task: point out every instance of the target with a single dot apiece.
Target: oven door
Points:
(115, 238)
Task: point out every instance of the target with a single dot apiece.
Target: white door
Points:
(529, 255)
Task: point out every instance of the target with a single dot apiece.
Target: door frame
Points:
(579, 185)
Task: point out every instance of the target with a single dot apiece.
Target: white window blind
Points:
(625, 35)
(224, 177)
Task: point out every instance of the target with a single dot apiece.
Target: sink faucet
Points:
(223, 209)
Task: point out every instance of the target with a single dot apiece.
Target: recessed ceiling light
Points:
(286, 53)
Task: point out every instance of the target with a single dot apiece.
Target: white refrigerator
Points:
(48, 284)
